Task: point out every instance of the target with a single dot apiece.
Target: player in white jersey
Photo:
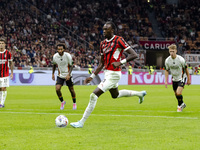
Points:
(64, 62)
(178, 67)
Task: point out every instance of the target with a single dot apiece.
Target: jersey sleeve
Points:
(183, 63)
(166, 65)
(122, 43)
(9, 56)
(53, 61)
(70, 59)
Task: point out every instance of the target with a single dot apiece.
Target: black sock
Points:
(61, 99)
(74, 99)
(180, 99)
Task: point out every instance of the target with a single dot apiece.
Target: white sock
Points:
(4, 94)
(129, 93)
(90, 107)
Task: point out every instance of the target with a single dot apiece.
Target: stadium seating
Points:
(33, 28)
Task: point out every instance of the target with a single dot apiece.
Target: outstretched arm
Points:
(188, 76)
(99, 68)
(53, 71)
(11, 68)
(131, 56)
(166, 77)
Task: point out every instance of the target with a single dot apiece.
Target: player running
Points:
(177, 65)
(111, 51)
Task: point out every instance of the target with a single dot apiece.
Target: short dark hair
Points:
(112, 25)
(61, 44)
(3, 39)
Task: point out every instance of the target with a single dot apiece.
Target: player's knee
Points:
(57, 89)
(178, 94)
(3, 89)
(114, 96)
(72, 91)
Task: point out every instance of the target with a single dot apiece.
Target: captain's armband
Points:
(123, 61)
(92, 75)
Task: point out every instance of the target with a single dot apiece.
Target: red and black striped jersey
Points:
(5, 57)
(112, 51)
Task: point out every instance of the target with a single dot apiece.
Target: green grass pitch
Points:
(28, 120)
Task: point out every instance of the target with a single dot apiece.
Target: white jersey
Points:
(63, 63)
(176, 66)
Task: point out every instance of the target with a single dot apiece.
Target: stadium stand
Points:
(181, 22)
(34, 27)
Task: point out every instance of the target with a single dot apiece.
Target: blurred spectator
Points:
(35, 34)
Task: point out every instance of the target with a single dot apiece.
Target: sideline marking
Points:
(144, 116)
(102, 110)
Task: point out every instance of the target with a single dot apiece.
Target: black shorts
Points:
(61, 81)
(180, 83)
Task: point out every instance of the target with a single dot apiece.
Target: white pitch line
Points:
(103, 110)
(145, 116)
(145, 111)
(105, 115)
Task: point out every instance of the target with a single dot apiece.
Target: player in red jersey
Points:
(5, 60)
(111, 51)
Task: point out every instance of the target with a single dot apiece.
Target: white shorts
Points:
(110, 80)
(4, 82)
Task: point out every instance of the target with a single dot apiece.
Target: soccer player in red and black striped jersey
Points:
(111, 51)
(5, 62)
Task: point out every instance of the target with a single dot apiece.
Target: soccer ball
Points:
(61, 121)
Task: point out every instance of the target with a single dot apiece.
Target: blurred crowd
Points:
(33, 38)
(181, 22)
